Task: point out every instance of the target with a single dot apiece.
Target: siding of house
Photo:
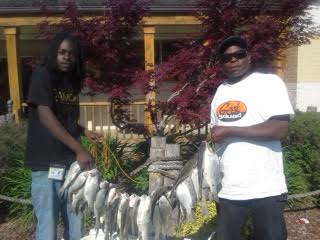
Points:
(308, 76)
(302, 75)
(291, 73)
(302, 71)
(309, 64)
(308, 80)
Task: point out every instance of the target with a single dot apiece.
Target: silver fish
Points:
(99, 203)
(106, 212)
(195, 181)
(186, 197)
(91, 188)
(201, 151)
(77, 200)
(157, 221)
(132, 214)
(186, 172)
(121, 215)
(77, 184)
(165, 214)
(143, 217)
(71, 175)
(211, 172)
(111, 207)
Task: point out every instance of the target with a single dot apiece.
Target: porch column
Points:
(149, 58)
(15, 85)
(281, 64)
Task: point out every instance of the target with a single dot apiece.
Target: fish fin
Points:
(62, 194)
(69, 196)
(212, 235)
(172, 199)
(183, 215)
(204, 208)
(81, 207)
(157, 195)
(97, 226)
(191, 217)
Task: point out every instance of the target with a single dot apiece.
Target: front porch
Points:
(21, 47)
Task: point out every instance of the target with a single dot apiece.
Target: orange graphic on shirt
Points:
(231, 111)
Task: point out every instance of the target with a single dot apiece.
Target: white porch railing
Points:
(96, 116)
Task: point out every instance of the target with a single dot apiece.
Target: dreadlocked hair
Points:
(51, 60)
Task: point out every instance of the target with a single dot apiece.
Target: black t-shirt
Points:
(59, 94)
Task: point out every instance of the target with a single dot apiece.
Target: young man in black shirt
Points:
(53, 135)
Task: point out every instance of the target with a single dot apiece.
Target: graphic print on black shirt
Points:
(66, 105)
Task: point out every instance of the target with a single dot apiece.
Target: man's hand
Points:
(85, 160)
(219, 133)
(93, 136)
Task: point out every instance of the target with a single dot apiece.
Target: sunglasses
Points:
(225, 58)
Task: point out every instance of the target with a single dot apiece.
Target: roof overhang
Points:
(155, 9)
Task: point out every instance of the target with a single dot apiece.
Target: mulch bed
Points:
(297, 230)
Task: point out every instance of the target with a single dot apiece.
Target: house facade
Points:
(167, 22)
(302, 71)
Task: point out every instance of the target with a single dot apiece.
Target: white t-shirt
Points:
(250, 168)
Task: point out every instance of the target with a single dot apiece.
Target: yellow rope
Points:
(106, 155)
(115, 158)
(94, 151)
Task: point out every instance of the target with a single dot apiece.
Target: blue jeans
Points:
(48, 206)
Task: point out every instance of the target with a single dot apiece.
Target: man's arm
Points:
(49, 120)
(276, 128)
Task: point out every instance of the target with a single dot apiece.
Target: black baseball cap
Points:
(232, 41)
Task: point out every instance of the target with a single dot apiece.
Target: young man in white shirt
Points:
(250, 114)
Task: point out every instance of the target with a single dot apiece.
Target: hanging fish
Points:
(76, 185)
(121, 215)
(99, 203)
(143, 217)
(211, 172)
(71, 175)
(91, 188)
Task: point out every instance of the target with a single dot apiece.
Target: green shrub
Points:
(17, 184)
(302, 153)
(16, 180)
(116, 159)
(11, 135)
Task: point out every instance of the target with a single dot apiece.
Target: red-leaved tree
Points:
(268, 26)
